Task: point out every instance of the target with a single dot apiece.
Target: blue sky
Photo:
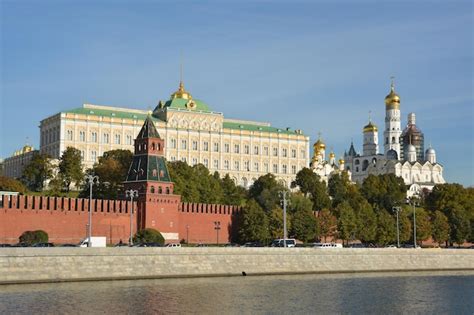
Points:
(312, 65)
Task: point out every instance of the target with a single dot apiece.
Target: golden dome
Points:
(392, 100)
(181, 93)
(332, 155)
(319, 145)
(341, 161)
(370, 127)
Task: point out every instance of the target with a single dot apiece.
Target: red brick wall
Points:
(64, 219)
(196, 222)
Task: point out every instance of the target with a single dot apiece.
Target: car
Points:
(290, 242)
(5, 245)
(391, 246)
(253, 244)
(174, 245)
(68, 245)
(149, 244)
(358, 245)
(43, 245)
(327, 245)
(121, 245)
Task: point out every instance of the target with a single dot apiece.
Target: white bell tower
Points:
(392, 130)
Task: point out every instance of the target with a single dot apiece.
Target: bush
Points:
(34, 237)
(10, 184)
(149, 236)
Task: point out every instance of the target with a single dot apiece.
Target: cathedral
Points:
(403, 155)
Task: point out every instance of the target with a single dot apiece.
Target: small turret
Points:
(431, 155)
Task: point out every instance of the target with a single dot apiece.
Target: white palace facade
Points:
(193, 133)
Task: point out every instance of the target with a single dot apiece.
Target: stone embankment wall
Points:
(29, 265)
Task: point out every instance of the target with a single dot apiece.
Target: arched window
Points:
(152, 189)
(167, 190)
(160, 190)
(159, 147)
(153, 146)
(393, 139)
(365, 164)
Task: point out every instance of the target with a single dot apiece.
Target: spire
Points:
(392, 84)
(148, 129)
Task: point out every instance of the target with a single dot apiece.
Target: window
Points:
(94, 136)
(226, 148)
(386, 140)
(173, 158)
(216, 164)
(216, 147)
(255, 150)
(117, 139)
(195, 161)
(173, 143)
(195, 145)
(284, 169)
(206, 162)
(255, 166)
(69, 135)
(275, 151)
(293, 153)
(82, 136)
(105, 138)
(247, 166)
(265, 151)
(236, 148)
(303, 153)
(285, 152)
(265, 167)
(83, 154)
(293, 169)
(236, 165)
(275, 168)
(183, 159)
(184, 144)
(128, 139)
(94, 156)
(246, 149)
(226, 164)
(206, 146)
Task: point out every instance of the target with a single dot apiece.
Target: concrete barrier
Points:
(31, 265)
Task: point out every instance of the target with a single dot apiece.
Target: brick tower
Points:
(148, 173)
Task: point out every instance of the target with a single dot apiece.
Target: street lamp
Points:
(397, 211)
(217, 227)
(131, 194)
(283, 195)
(91, 179)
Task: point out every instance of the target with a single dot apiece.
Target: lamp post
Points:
(217, 227)
(283, 195)
(414, 203)
(130, 193)
(91, 179)
(397, 210)
(187, 234)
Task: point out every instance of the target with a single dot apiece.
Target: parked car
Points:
(391, 246)
(150, 244)
(68, 245)
(358, 245)
(5, 245)
(290, 242)
(174, 245)
(327, 245)
(43, 245)
(253, 244)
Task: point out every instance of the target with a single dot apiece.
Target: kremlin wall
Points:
(65, 219)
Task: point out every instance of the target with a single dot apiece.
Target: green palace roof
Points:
(251, 127)
(181, 103)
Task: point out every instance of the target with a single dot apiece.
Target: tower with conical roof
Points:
(148, 174)
(392, 130)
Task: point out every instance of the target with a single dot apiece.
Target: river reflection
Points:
(306, 294)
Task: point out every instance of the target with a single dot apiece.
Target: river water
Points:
(387, 293)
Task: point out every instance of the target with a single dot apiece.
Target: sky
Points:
(319, 66)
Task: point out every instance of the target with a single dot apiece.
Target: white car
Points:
(176, 245)
(327, 245)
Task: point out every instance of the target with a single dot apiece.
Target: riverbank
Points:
(35, 265)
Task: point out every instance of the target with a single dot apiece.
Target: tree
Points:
(303, 225)
(460, 225)
(34, 237)
(346, 222)
(327, 223)
(366, 223)
(386, 230)
(70, 167)
(406, 228)
(232, 194)
(275, 223)
(298, 203)
(384, 190)
(149, 235)
(310, 185)
(440, 228)
(338, 188)
(265, 190)
(10, 184)
(112, 170)
(253, 223)
(423, 225)
(37, 171)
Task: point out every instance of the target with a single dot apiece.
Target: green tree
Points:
(339, 187)
(298, 203)
(423, 225)
(327, 224)
(266, 191)
(34, 237)
(253, 223)
(70, 167)
(310, 185)
(460, 226)
(10, 184)
(386, 230)
(37, 171)
(384, 190)
(346, 221)
(232, 194)
(275, 223)
(406, 227)
(440, 228)
(366, 223)
(148, 235)
(303, 225)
